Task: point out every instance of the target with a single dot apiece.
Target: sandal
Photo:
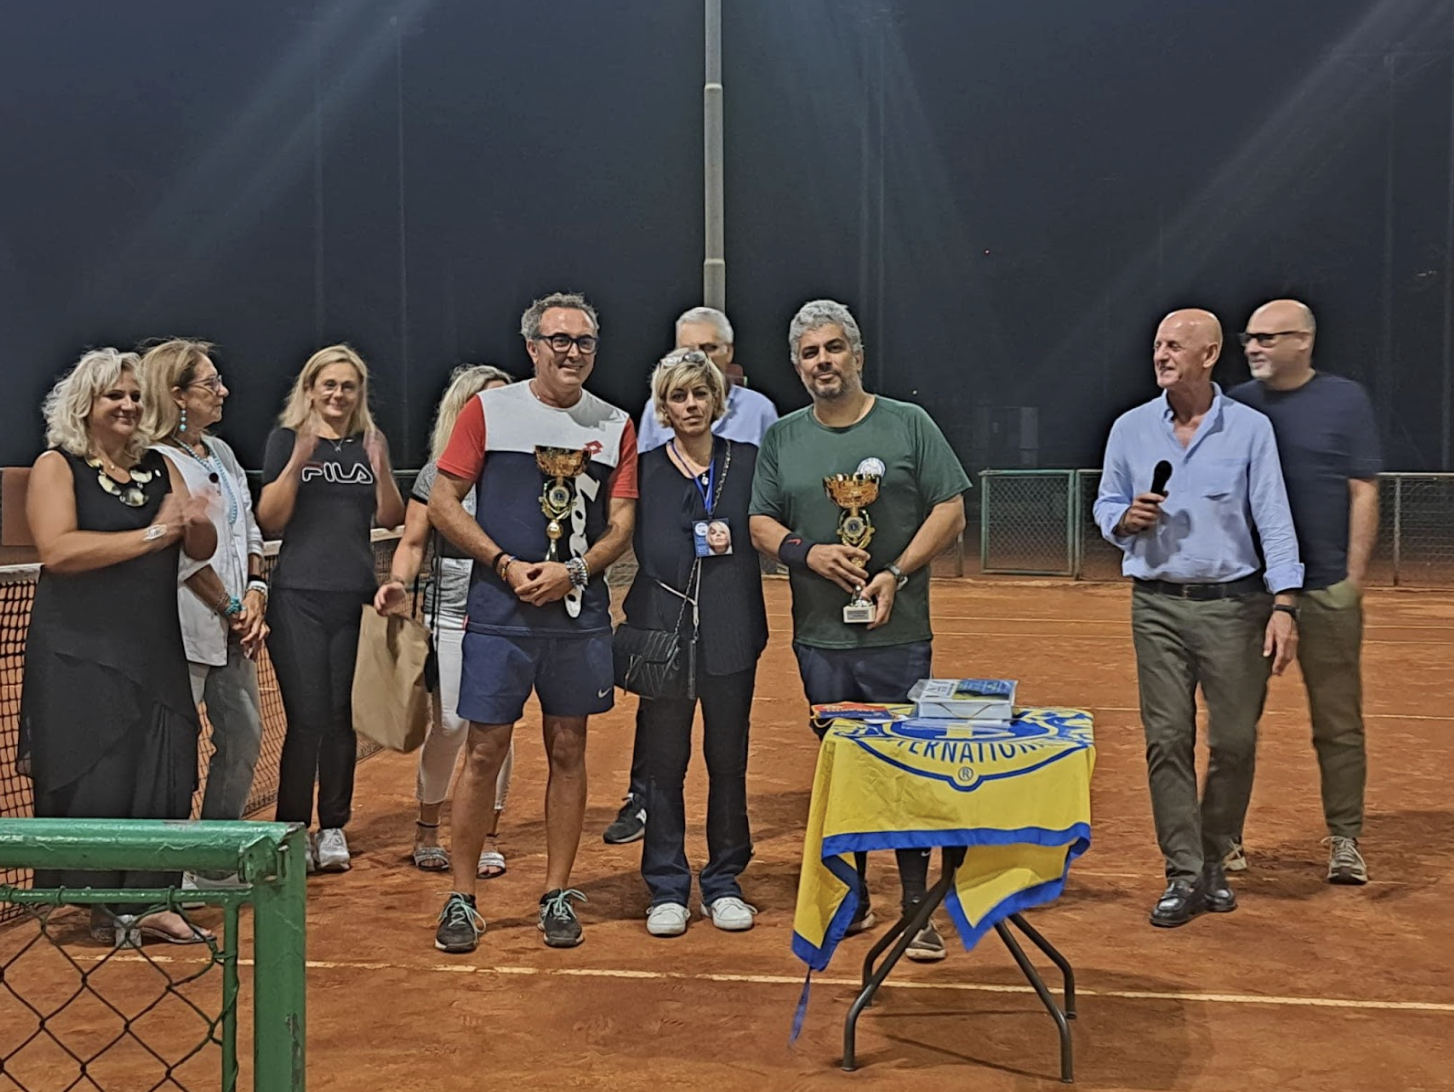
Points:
(120, 932)
(492, 863)
(430, 858)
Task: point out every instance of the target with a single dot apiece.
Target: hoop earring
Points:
(182, 424)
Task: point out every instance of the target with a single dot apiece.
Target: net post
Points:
(984, 521)
(279, 972)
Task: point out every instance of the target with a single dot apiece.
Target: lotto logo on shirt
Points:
(357, 474)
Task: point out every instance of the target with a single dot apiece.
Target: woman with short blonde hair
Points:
(711, 598)
(222, 605)
(444, 606)
(108, 728)
(683, 369)
(326, 481)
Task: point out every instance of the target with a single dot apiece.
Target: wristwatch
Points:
(1286, 608)
(900, 579)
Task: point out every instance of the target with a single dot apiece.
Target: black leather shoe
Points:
(1220, 898)
(1181, 902)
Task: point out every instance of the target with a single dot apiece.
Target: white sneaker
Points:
(667, 919)
(730, 913)
(332, 851)
(189, 883)
(195, 881)
(310, 853)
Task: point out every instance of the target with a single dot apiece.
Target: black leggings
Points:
(313, 643)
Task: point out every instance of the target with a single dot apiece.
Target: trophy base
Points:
(858, 613)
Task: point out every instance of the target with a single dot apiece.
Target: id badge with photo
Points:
(712, 537)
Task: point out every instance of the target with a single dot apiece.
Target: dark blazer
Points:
(732, 615)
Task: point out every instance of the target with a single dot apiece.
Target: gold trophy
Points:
(853, 493)
(561, 464)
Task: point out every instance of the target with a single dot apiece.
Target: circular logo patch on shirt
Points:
(871, 466)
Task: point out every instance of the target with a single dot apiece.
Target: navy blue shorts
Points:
(572, 675)
(880, 675)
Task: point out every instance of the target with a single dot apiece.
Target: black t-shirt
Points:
(326, 544)
(732, 615)
(1325, 436)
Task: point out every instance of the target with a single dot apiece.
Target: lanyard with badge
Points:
(711, 537)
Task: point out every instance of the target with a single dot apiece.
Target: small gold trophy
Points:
(853, 493)
(561, 464)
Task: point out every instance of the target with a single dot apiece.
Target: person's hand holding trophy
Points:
(549, 580)
(854, 493)
(561, 466)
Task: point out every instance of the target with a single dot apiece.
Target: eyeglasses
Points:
(561, 343)
(213, 383)
(1265, 340)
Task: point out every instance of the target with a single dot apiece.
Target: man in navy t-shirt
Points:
(1328, 445)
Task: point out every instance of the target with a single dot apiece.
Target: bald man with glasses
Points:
(1328, 446)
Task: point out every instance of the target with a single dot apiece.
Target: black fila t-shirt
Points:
(326, 544)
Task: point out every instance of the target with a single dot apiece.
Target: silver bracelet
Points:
(579, 574)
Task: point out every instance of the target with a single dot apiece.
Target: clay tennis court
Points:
(1306, 986)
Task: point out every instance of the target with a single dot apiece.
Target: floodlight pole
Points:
(714, 267)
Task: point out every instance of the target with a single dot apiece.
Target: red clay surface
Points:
(1306, 986)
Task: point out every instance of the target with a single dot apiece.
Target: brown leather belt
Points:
(1231, 589)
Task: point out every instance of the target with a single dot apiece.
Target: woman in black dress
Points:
(694, 495)
(108, 729)
(326, 481)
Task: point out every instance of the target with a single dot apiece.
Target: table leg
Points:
(903, 932)
(1028, 970)
(1054, 956)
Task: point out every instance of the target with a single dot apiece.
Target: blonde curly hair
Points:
(67, 408)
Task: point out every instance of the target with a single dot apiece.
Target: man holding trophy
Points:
(555, 471)
(856, 494)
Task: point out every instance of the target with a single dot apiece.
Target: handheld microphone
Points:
(1160, 477)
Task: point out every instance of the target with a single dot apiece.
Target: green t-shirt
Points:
(895, 439)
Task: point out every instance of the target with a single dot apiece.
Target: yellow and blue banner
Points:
(1016, 794)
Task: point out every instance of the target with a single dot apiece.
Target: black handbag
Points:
(660, 663)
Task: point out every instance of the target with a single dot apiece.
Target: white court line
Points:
(904, 984)
(1124, 638)
(1290, 713)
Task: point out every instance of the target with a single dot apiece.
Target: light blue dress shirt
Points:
(1223, 484)
(747, 417)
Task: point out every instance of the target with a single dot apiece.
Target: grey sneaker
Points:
(1345, 863)
(558, 919)
(629, 824)
(1236, 858)
(460, 925)
(928, 946)
(332, 851)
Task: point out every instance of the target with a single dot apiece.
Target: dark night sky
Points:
(1008, 194)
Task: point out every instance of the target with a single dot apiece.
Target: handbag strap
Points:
(436, 575)
(694, 578)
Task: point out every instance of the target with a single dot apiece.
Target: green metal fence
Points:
(1040, 523)
(80, 1010)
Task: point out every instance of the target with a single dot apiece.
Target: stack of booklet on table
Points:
(976, 701)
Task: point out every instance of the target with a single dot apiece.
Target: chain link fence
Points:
(86, 999)
(76, 1016)
(1041, 523)
(1027, 522)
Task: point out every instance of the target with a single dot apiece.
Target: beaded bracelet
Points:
(580, 573)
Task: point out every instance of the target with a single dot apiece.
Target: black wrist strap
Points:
(792, 551)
